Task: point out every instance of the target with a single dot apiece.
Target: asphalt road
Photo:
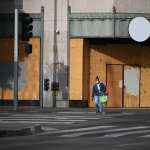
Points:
(80, 130)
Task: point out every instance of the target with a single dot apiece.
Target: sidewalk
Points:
(36, 109)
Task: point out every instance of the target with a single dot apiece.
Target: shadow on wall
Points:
(62, 72)
(125, 52)
(7, 66)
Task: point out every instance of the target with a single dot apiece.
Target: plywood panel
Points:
(102, 54)
(145, 86)
(97, 68)
(131, 86)
(76, 69)
(86, 57)
(30, 90)
(114, 82)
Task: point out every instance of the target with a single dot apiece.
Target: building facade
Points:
(73, 42)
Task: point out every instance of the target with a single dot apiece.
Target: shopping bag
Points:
(103, 99)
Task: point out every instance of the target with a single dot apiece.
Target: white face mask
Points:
(97, 82)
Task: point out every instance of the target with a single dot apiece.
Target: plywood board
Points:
(102, 54)
(115, 83)
(131, 86)
(76, 69)
(29, 90)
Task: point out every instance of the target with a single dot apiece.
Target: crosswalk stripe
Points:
(71, 112)
(81, 129)
(146, 136)
(32, 119)
(115, 135)
(103, 131)
(39, 122)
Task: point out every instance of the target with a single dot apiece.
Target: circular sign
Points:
(139, 29)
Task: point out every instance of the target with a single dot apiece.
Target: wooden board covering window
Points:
(30, 91)
(131, 86)
(115, 82)
(76, 69)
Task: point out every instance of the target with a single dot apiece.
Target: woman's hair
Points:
(97, 78)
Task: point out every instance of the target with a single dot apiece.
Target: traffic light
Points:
(27, 27)
(46, 84)
(55, 86)
(28, 48)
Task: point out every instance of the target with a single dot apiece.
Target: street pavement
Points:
(79, 130)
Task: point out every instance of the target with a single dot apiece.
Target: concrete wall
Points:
(91, 5)
(132, 6)
(32, 6)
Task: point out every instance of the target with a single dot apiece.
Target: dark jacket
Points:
(96, 92)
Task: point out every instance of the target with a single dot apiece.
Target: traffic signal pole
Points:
(16, 43)
(41, 57)
(55, 52)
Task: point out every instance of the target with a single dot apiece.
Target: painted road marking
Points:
(38, 122)
(115, 135)
(32, 119)
(104, 131)
(79, 129)
(146, 136)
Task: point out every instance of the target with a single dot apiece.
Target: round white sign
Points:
(139, 29)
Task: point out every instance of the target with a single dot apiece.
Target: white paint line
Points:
(35, 117)
(104, 131)
(115, 135)
(39, 122)
(132, 144)
(57, 118)
(70, 112)
(146, 136)
(45, 120)
(80, 129)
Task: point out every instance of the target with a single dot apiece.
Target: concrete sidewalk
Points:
(36, 109)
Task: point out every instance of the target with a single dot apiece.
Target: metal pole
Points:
(55, 52)
(68, 44)
(114, 21)
(41, 56)
(16, 59)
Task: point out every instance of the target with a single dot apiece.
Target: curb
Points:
(21, 132)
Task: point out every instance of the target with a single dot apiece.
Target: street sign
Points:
(139, 29)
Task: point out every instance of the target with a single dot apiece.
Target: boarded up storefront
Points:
(28, 71)
(124, 67)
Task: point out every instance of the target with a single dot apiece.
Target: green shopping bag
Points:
(103, 99)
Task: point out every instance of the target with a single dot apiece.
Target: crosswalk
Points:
(66, 118)
(100, 130)
(108, 131)
(46, 119)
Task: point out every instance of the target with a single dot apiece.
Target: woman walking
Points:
(98, 90)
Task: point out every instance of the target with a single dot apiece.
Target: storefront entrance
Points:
(123, 66)
(123, 82)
